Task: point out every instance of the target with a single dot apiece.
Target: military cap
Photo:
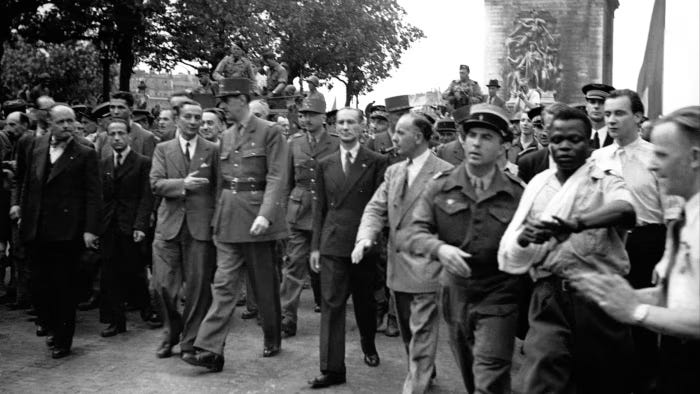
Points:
(11, 106)
(313, 80)
(597, 90)
(535, 112)
(489, 116)
(82, 110)
(397, 103)
(313, 104)
(461, 114)
(494, 83)
(463, 67)
(235, 87)
(101, 111)
(204, 99)
(445, 125)
(141, 113)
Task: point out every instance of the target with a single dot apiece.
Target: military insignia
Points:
(252, 144)
(364, 165)
(450, 201)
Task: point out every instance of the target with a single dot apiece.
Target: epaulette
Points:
(442, 173)
(515, 179)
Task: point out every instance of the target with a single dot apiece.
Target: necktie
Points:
(406, 183)
(478, 185)
(187, 153)
(312, 142)
(119, 159)
(346, 163)
(596, 141)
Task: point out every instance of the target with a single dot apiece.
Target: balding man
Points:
(59, 207)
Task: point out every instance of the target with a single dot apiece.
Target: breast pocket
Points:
(256, 159)
(451, 206)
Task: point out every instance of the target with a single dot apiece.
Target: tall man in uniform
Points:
(306, 148)
(631, 157)
(127, 206)
(276, 75)
(459, 220)
(411, 278)
(462, 92)
(249, 219)
(184, 174)
(595, 94)
(59, 208)
(346, 181)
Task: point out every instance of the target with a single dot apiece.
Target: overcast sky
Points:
(455, 35)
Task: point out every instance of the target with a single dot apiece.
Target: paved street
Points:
(127, 362)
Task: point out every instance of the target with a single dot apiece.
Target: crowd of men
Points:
(561, 225)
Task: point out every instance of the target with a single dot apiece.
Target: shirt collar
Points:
(420, 160)
(183, 143)
(353, 151)
(631, 145)
(485, 179)
(244, 122)
(125, 153)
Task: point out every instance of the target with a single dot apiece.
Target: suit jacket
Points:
(126, 194)
(142, 142)
(302, 163)
(62, 201)
(168, 172)
(451, 152)
(380, 143)
(393, 205)
(498, 101)
(340, 201)
(532, 163)
(258, 154)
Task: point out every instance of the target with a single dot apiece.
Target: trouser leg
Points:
(363, 301)
(335, 289)
(294, 273)
(263, 275)
(167, 279)
(199, 263)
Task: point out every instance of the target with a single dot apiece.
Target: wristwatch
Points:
(640, 313)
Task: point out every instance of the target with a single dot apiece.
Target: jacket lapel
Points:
(176, 157)
(418, 185)
(41, 153)
(335, 170)
(125, 167)
(200, 153)
(356, 170)
(64, 161)
(239, 140)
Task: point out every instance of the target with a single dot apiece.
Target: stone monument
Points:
(556, 45)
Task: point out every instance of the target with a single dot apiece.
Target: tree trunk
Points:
(126, 67)
(106, 79)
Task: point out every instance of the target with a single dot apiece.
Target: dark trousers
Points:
(679, 361)
(123, 274)
(178, 260)
(54, 268)
(340, 279)
(294, 274)
(645, 247)
(573, 346)
(20, 267)
(232, 262)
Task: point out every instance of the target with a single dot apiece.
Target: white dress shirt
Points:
(56, 150)
(183, 145)
(632, 161)
(124, 153)
(353, 155)
(413, 167)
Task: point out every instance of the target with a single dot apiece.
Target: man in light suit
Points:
(412, 279)
(249, 220)
(346, 182)
(184, 174)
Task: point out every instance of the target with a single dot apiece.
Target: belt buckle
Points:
(234, 185)
(565, 285)
(252, 185)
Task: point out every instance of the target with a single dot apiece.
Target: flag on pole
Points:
(651, 75)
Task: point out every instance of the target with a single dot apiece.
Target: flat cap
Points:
(597, 90)
(491, 117)
(397, 103)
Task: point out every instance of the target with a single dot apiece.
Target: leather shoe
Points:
(41, 331)
(372, 360)
(203, 358)
(247, 315)
(270, 351)
(154, 320)
(60, 352)
(164, 351)
(50, 342)
(326, 380)
(288, 330)
(91, 303)
(317, 309)
(392, 329)
(112, 330)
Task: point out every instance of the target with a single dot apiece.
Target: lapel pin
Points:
(364, 165)
(450, 201)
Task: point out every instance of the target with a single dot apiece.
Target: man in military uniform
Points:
(379, 125)
(459, 219)
(276, 75)
(305, 149)
(235, 65)
(313, 83)
(596, 93)
(453, 152)
(206, 85)
(248, 221)
(464, 91)
(447, 130)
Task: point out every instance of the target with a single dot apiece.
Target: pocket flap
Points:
(451, 205)
(253, 152)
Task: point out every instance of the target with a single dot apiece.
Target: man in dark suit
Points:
(305, 150)
(248, 222)
(346, 182)
(127, 205)
(595, 94)
(59, 207)
(493, 98)
(184, 174)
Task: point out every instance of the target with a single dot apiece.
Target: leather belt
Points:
(244, 185)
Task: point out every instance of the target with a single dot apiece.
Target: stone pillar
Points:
(559, 45)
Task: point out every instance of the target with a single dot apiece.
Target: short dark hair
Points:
(635, 101)
(122, 121)
(218, 113)
(358, 112)
(687, 119)
(422, 123)
(126, 96)
(574, 114)
(187, 102)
